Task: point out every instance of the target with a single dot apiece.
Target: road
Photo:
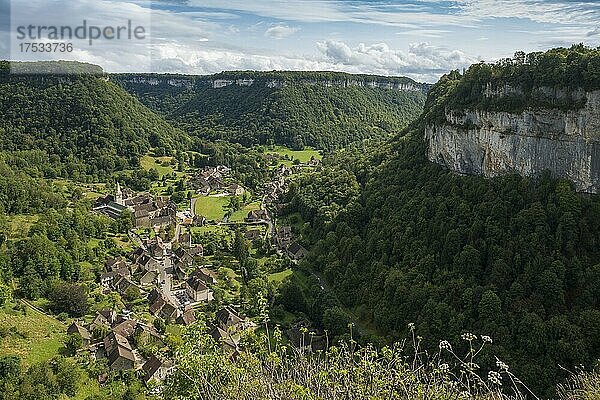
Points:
(167, 286)
(271, 226)
(193, 206)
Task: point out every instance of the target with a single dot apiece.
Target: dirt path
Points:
(39, 311)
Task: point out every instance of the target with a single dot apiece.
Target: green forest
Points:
(86, 125)
(514, 258)
(297, 115)
(551, 79)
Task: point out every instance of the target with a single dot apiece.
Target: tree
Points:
(10, 366)
(5, 293)
(69, 298)
(160, 325)
(241, 247)
(73, 342)
(4, 227)
(336, 321)
(234, 203)
(124, 222)
(131, 294)
(490, 306)
(178, 197)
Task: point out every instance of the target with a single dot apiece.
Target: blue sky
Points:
(418, 38)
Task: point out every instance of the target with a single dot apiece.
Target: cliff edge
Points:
(516, 128)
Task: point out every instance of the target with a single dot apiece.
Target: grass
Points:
(215, 229)
(212, 208)
(220, 231)
(93, 243)
(229, 282)
(35, 337)
(280, 276)
(303, 156)
(90, 190)
(122, 241)
(148, 162)
(241, 214)
(174, 329)
(92, 195)
(19, 225)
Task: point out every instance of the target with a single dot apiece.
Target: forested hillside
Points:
(86, 125)
(323, 110)
(514, 258)
(553, 79)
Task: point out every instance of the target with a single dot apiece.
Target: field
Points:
(19, 225)
(147, 162)
(32, 335)
(242, 213)
(212, 208)
(122, 241)
(280, 276)
(220, 231)
(303, 156)
(90, 190)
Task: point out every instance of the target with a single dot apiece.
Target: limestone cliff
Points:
(272, 81)
(493, 143)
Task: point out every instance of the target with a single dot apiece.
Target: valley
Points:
(158, 232)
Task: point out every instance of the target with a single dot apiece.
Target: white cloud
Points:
(187, 59)
(221, 35)
(281, 31)
(429, 33)
(291, 10)
(422, 60)
(594, 32)
(423, 13)
(546, 11)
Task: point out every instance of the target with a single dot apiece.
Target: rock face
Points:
(203, 81)
(567, 143)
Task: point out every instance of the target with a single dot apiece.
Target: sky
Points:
(422, 39)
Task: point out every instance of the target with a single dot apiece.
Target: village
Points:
(170, 278)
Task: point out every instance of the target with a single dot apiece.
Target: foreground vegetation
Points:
(551, 79)
(270, 369)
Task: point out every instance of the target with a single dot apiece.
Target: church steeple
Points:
(119, 195)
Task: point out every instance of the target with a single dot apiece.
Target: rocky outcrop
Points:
(157, 81)
(567, 143)
(188, 81)
(277, 84)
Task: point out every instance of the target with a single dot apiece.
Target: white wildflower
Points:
(472, 366)
(495, 378)
(486, 339)
(445, 345)
(469, 337)
(501, 365)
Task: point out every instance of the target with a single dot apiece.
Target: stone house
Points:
(119, 352)
(75, 328)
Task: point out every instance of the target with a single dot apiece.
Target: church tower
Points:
(119, 195)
